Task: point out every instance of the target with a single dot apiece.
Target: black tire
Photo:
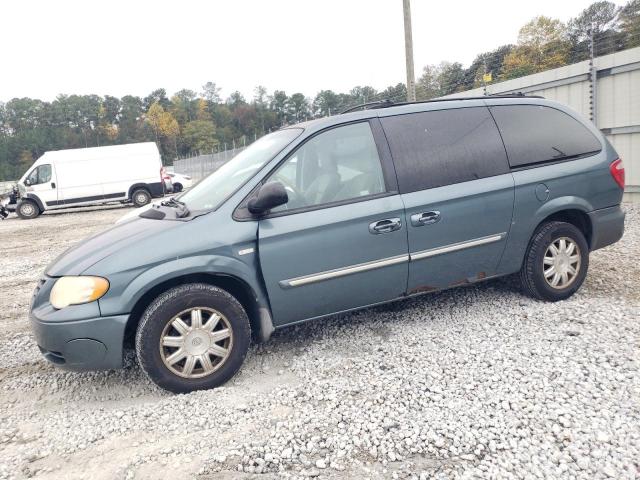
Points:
(164, 309)
(27, 209)
(140, 197)
(532, 275)
(177, 187)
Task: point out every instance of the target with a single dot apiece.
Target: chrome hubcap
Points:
(561, 263)
(142, 198)
(196, 342)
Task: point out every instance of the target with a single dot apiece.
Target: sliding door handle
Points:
(425, 218)
(385, 226)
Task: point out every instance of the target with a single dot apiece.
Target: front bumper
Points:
(607, 226)
(90, 344)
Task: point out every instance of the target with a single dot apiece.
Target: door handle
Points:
(53, 184)
(385, 226)
(425, 218)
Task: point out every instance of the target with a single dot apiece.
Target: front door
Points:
(458, 193)
(41, 182)
(341, 240)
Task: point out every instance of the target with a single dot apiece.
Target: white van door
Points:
(41, 181)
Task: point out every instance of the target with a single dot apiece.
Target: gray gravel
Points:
(477, 382)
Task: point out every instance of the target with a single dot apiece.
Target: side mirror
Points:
(270, 195)
(27, 182)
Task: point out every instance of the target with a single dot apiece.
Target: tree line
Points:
(190, 122)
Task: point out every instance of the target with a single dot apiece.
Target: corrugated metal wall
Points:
(617, 92)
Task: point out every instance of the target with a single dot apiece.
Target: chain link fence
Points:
(200, 166)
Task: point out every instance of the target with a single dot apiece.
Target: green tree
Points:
(630, 24)
(395, 93)
(298, 108)
(359, 95)
(278, 103)
(542, 45)
(199, 135)
(326, 103)
(211, 93)
(451, 78)
(600, 21)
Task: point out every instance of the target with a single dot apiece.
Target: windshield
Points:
(214, 189)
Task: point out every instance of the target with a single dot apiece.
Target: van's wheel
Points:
(556, 262)
(140, 197)
(27, 209)
(192, 337)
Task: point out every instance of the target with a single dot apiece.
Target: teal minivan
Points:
(334, 215)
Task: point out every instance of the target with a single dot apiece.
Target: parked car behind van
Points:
(334, 215)
(91, 176)
(180, 182)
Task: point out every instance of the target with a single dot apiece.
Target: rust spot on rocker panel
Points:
(423, 289)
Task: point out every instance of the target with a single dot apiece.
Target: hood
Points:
(88, 252)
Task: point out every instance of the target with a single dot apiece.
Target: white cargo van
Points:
(91, 176)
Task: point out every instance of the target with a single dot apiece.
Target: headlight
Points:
(75, 290)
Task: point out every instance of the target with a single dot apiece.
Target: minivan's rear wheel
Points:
(27, 209)
(141, 197)
(556, 262)
(192, 337)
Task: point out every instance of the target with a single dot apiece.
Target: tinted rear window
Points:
(443, 147)
(534, 133)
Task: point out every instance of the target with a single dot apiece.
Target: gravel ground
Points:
(468, 383)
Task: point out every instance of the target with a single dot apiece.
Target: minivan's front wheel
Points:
(27, 209)
(556, 262)
(192, 337)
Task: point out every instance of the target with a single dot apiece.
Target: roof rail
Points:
(388, 103)
(379, 104)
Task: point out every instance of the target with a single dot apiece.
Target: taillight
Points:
(617, 172)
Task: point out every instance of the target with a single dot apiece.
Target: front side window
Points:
(534, 133)
(214, 189)
(40, 174)
(337, 165)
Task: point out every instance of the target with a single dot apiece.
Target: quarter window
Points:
(534, 134)
(337, 165)
(443, 147)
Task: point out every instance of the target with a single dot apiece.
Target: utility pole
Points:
(408, 47)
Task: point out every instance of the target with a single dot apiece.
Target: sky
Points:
(135, 46)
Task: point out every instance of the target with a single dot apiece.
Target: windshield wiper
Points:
(182, 210)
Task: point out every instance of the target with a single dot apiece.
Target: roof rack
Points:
(370, 105)
(389, 103)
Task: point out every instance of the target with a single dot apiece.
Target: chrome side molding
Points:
(385, 262)
(341, 272)
(432, 252)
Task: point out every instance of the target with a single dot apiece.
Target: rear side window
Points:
(534, 134)
(443, 147)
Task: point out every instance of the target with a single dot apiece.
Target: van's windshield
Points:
(214, 189)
